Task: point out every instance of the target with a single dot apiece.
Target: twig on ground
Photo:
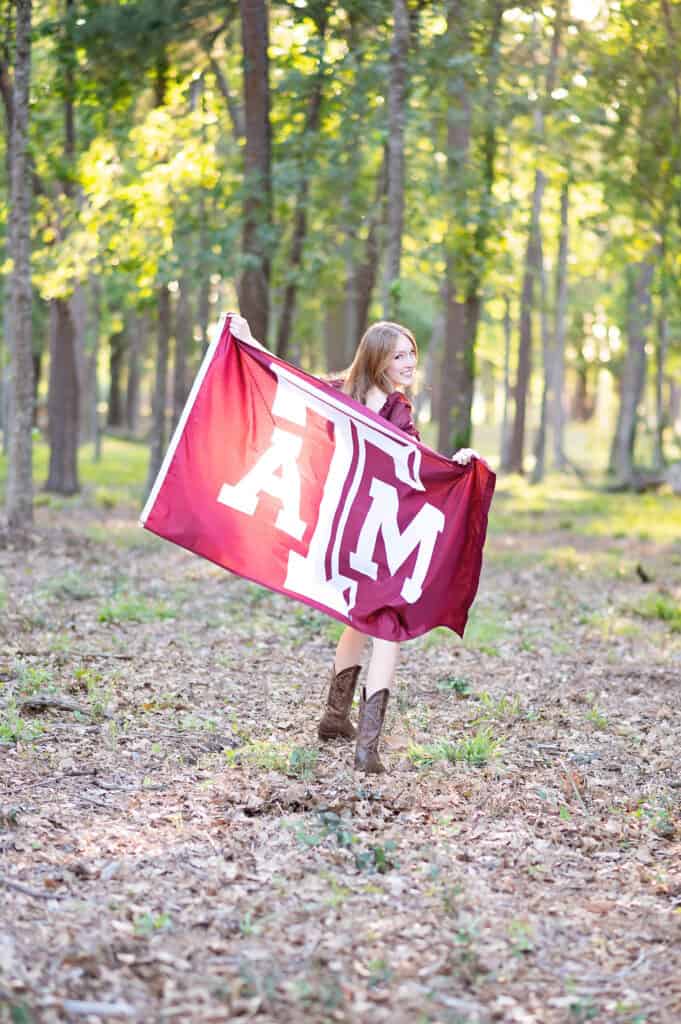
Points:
(9, 883)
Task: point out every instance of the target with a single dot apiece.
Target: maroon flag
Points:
(281, 478)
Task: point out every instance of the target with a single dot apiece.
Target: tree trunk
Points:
(531, 274)
(300, 218)
(547, 362)
(660, 416)
(457, 357)
(63, 402)
(558, 411)
(132, 394)
(117, 349)
(253, 285)
(158, 404)
(63, 406)
(505, 418)
(633, 373)
(183, 340)
(397, 95)
(93, 392)
(533, 263)
(19, 497)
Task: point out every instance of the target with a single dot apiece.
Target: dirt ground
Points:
(176, 845)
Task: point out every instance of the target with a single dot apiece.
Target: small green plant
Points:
(501, 708)
(15, 729)
(474, 750)
(263, 754)
(597, 718)
(303, 761)
(148, 924)
(377, 858)
(455, 684)
(33, 678)
(659, 606)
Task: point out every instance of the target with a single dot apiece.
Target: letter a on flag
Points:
(283, 479)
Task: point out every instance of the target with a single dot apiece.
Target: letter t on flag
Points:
(286, 481)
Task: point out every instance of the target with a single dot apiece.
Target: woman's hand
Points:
(238, 325)
(464, 456)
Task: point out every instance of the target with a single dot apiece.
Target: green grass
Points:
(134, 608)
(119, 476)
(562, 503)
(476, 750)
(663, 608)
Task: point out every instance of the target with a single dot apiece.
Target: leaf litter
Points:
(176, 844)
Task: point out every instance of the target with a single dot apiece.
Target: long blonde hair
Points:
(373, 355)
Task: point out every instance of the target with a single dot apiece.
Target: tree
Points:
(19, 500)
(254, 281)
(396, 126)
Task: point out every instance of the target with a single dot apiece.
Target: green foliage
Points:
(14, 728)
(475, 750)
(662, 607)
(455, 684)
(129, 607)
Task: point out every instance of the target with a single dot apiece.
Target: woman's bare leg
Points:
(382, 666)
(350, 649)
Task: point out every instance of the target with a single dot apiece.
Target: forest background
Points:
(504, 179)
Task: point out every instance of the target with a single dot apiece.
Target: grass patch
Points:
(562, 503)
(663, 608)
(475, 750)
(15, 729)
(134, 608)
(119, 476)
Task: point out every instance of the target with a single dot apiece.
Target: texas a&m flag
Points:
(283, 479)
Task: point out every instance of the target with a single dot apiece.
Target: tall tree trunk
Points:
(117, 350)
(524, 370)
(505, 437)
(184, 335)
(558, 410)
(660, 361)
(253, 285)
(158, 405)
(300, 217)
(547, 363)
(397, 95)
(64, 385)
(137, 325)
(465, 272)
(19, 497)
(457, 365)
(633, 372)
(63, 401)
(95, 325)
(533, 268)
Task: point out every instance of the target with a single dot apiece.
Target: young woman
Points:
(384, 365)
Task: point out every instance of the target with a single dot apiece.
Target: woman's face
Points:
(402, 365)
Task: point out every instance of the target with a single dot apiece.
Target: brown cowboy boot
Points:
(335, 723)
(371, 716)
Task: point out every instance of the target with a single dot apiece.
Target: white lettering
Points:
(421, 533)
(276, 473)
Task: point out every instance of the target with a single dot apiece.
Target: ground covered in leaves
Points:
(176, 845)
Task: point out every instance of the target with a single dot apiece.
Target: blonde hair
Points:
(372, 358)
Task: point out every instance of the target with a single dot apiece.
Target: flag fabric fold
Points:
(283, 479)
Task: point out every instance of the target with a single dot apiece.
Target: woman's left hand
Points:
(464, 456)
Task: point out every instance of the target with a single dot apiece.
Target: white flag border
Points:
(181, 423)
